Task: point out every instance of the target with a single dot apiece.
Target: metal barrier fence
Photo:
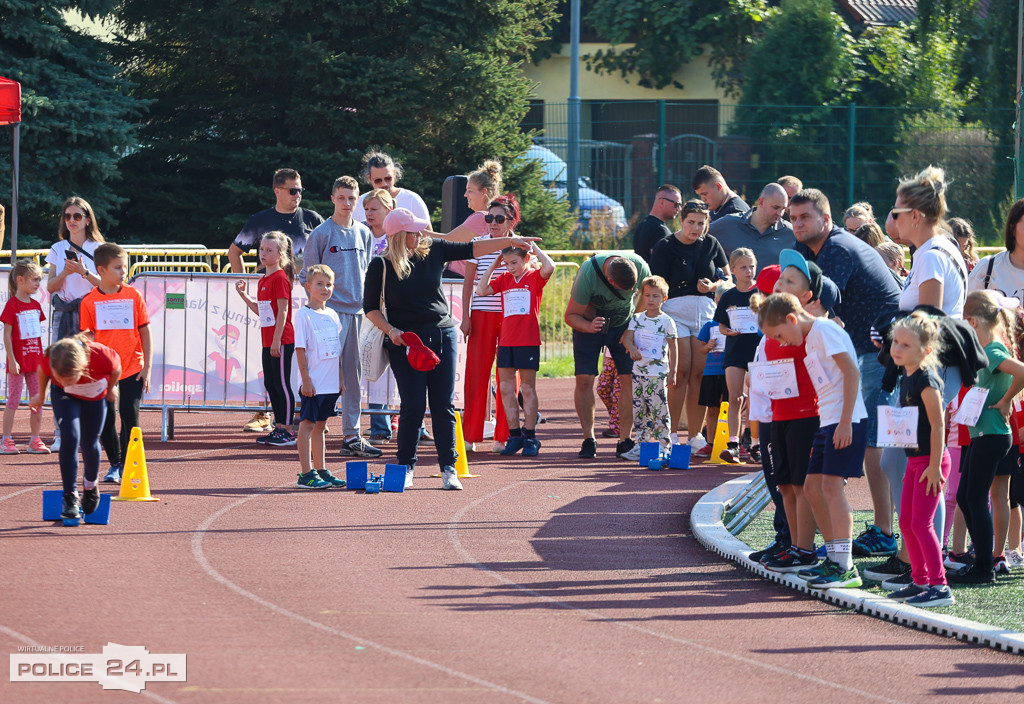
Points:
(850, 152)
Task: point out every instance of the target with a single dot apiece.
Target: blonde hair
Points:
(722, 288)
(319, 270)
(772, 310)
(69, 356)
(925, 192)
(92, 230)
(987, 311)
(398, 253)
(871, 233)
(861, 210)
(893, 254)
(656, 282)
(381, 195)
(284, 248)
(487, 178)
(741, 253)
(23, 267)
(927, 330)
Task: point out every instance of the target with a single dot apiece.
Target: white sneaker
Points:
(697, 441)
(632, 455)
(470, 447)
(1014, 559)
(55, 445)
(673, 439)
(449, 479)
(408, 477)
(497, 447)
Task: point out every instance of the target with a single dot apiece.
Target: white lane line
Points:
(197, 552)
(453, 534)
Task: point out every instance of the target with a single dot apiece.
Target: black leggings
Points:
(986, 452)
(277, 379)
(114, 444)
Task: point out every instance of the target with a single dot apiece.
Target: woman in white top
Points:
(72, 273)
(381, 171)
(1004, 272)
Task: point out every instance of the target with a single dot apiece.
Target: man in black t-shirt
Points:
(652, 229)
(286, 216)
(709, 184)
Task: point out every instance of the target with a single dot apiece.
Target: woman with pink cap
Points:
(421, 333)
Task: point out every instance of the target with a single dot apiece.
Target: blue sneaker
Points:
(824, 567)
(325, 474)
(113, 476)
(513, 445)
(311, 480)
(531, 446)
(874, 543)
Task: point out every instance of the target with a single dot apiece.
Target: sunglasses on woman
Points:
(68, 217)
(695, 207)
(500, 219)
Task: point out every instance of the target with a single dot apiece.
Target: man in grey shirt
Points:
(346, 246)
(761, 229)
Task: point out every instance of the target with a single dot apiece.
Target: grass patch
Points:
(1000, 605)
(557, 367)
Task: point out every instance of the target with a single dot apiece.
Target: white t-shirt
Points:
(651, 336)
(760, 404)
(410, 200)
(75, 285)
(946, 266)
(825, 340)
(318, 332)
(1005, 276)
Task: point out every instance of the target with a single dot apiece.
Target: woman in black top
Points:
(694, 265)
(411, 269)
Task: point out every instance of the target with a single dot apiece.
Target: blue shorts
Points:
(519, 357)
(826, 459)
(871, 373)
(587, 346)
(318, 408)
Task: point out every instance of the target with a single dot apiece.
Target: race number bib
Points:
(775, 379)
(819, 377)
(267, 317)
(743, 320)
(89, 389)
(650, 344)
(28, 325)
(972, 406)
(328, 345)
(115, 315)
(897, 427)
(516, 301)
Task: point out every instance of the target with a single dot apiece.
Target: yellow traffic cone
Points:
(134, 478)
(721, 435)
(461, 463)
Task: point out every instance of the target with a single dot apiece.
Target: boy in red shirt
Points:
(521, 288)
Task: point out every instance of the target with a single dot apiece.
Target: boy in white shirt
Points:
(318, 354)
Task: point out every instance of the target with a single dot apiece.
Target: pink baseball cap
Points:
(421, 357)
(402, 220)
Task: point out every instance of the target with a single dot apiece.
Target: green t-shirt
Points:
(991, 421)
(588, 289)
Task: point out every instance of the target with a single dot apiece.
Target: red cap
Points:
(421, 357)
(766, 279)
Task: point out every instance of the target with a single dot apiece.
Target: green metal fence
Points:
(852, 153)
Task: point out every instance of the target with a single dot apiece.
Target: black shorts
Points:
(519, 357)
(713, 391)
(318, 408)
(791, 441)
(587, 346)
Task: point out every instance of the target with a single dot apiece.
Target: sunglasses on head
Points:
(695, 207)
(500, 219)
(294, 191)
(68, 217)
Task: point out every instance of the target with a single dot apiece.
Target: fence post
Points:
(661, 142)
(851, 193)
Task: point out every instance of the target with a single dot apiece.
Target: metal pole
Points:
(1018, 171)
(573, 156)
(14, 193)
(661, 142)
(851, 196)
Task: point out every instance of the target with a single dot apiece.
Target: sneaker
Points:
(259, 423)
(624, 446)
(470, 446)
(932, 597)
(409, 471)
(874, 543)
(957, 561)
(379, 439)
(911, 590)
(755, 455)
(632, 454)
(971, 575)
(265, 439)
(821, 551)
(697, 442)
(704, 452)
(744, 453)
(513, 445)
(769, 549)
(281, 438)
(777, 552)
(531, 447)
(450, 479)
(497, 446)
(37, 447)
(7, 447)
(609, 433)
(894, 583)
(70, 507)
(999, 565)
(893, 567)
(790, 561)
(837, 579)
(312, 480)
(326, 475)
(1014, 559)
(731, 453)
(424, 438)
(541, 418)
(90, 500)
(823, 568)
(55, 445)
(113, 476)
(357, 447)
(588, 450)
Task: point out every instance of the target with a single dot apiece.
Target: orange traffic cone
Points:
(134, 478)
(461, 462)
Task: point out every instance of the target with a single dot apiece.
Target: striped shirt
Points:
(492, 303)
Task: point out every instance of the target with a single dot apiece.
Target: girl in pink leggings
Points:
(914, 348)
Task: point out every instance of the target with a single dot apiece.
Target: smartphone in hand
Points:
(71, 256)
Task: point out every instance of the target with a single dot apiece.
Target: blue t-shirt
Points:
(713, 365)
(867, 286)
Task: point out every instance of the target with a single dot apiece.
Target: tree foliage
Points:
(242, 87)
(77, 117)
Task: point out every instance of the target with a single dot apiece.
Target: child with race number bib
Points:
(84, 374)
(116, 314)
(650, 340)
(318, 355)
(739, 325)
(23, 332)
(990, 462)
(915, 348)
(713, 389)
(837, 449)
(273, 305)
(521, 287)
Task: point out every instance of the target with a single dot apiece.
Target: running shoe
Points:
(999, 565)
(380, 439)
(259, 423)
(893, 567)
(624, 446)
(894, 583)
(1014, 559)
(55, 445)
(933, 597)
(409, 476)
(778, 551)
(312, 480)
(113, 476)
(731, 453)
(874, 543)
(70, 507)
(837, 579)
(326, 475)
(265, 439)
(425, 437)
(357, 447)
(281, 438)
(450, 479)
(697, 442)
(609, 433)
(470, 446)
(7, 447)
(971, 575)
(588, 450)
(769, 549)
(704, 453)
(958, 560)
(531, 447)
(755, 455)
(823, 568)
(37, 447)
(907, 592)
(793, 560)
(513, 445)
(632, 454)
(90, 500)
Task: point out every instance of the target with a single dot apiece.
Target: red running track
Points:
(546, 580)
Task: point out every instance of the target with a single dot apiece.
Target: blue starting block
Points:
(394, 477)
(680, 457)
(649, 451)
(355, 475)
(372, 485)
(53, 503)
(658, 464)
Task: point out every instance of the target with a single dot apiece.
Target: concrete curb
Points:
(706, 523)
